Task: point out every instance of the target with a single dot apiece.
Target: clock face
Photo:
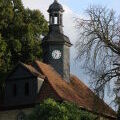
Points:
(56, 54)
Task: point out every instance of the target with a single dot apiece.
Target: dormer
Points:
(22, 85)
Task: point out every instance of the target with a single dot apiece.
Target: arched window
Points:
(55, 20)
(21, 116)
(26, 89)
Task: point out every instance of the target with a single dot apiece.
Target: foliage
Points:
(21, 31)
(3, 46)
(52, 110)
(98, 46)
(20, 35)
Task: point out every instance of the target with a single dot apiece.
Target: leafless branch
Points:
(98, 46)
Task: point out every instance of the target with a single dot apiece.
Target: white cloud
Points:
(69, 27)
(68, 15)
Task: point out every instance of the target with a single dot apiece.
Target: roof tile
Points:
(75, 91)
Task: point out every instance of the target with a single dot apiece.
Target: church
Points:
(30, 84)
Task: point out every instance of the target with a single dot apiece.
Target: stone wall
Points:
(13, 114)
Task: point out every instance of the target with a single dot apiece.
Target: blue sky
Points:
(80, 5)
(73, 8)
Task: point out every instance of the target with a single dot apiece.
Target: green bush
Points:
(52, 110)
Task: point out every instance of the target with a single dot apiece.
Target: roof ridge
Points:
(43, 72)
(64, 82)
(91, 90)
(97, 97)
(68, 91)
(36, 61)
(32, 70)
(19, 63)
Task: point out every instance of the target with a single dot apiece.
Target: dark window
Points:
(14, 90)
(26, 89)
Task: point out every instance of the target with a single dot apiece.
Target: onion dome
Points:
(55, 7)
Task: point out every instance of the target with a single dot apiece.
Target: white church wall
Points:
(13, 114)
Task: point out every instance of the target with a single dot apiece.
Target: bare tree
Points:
(98, 46)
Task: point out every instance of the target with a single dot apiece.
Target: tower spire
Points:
(56, 45)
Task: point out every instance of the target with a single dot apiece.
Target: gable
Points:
(47, 91)
(20, 72)
(75, 91)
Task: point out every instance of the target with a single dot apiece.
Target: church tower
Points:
(56, 46)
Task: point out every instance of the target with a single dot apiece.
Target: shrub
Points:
(52, 110)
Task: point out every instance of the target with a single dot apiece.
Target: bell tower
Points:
(56, 46)
(56, 17)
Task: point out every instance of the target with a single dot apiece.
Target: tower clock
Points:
(56, 46)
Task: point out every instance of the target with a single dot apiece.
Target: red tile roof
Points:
(91, 101)
(32, 70)
(75, 91)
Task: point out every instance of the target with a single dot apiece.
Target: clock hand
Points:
(55, 54)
